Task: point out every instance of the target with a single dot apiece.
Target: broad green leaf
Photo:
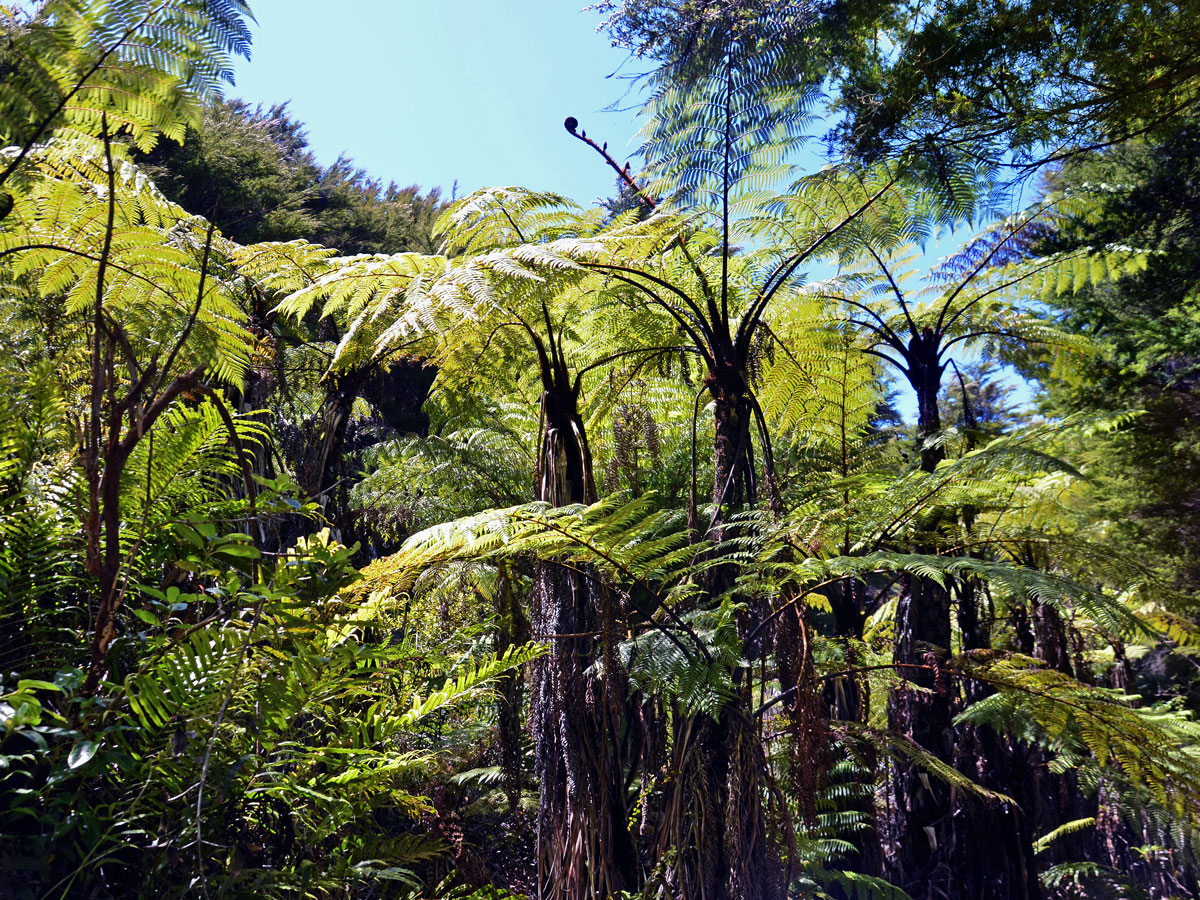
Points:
(81, 754)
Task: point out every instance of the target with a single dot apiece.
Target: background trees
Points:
(933, 79)
(251, 170)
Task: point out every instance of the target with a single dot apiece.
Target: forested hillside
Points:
(714, 542)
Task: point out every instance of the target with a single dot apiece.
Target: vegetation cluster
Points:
(357, 542)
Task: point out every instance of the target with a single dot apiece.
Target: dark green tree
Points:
(252, 170)
(1148, 329)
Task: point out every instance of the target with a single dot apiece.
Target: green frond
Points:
(851, 884)
(1154, 747)
(145, 66)
(158, 275)
(467, 681)
(1042, 844)
(903, 749)
(494, 218)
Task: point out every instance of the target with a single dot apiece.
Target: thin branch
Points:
(187, 329)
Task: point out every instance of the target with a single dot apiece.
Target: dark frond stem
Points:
(974, 271)
(700, 343)
(693, 512)
(689, 304)
(784, 271)
(886, 332)
(891, 279)
(726, 186)
(764, 436)
(191, 322)
(572, 124)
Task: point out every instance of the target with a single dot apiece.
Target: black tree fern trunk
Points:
(735, 482)
(718, 826)
(943, 843)
(921, 708)
(585, 848)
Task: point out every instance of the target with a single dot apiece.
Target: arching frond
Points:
(141, 66)
(162, 268)
(1153, 746)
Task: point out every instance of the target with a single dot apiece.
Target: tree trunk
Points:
(847, 699)
(735, 484)
(324, 435)
(585, 849)
(946, 844)
(845, 696)
(716, 821)
(1050, 638)
(925, 375)
(992, 849)
(920, 830)
(398, 392)
(922, 713)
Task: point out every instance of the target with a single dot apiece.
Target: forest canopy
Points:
(714, 541)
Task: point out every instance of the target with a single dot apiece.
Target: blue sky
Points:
(429, 92)
(470, 90)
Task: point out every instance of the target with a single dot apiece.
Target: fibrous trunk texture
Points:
(944, 843)
(735, 482)
(585, 847)
(715, 819)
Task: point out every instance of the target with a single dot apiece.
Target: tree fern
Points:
(157, 262)
(143, 66)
